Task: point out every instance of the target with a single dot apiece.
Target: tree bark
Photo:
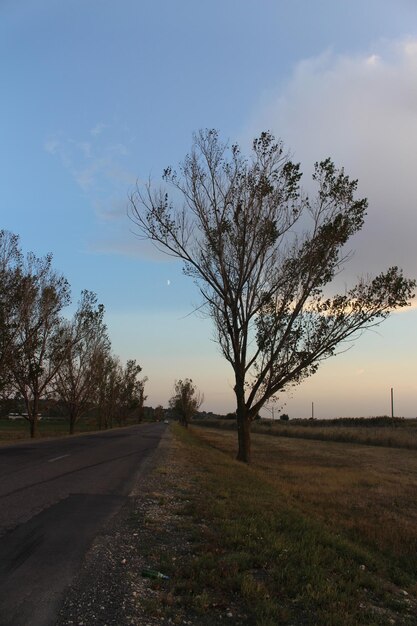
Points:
(243, 423)
(73, 415)
(34, 427)
(32, 409)
(140, 415)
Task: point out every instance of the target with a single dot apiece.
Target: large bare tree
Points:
(262, 254)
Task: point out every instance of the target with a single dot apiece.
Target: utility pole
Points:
(392, 402)
(312, 410)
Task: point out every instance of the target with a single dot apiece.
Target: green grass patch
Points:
(19, 430)
(13, 431)
(287, 567)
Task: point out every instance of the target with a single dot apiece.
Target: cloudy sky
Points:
(99, 93)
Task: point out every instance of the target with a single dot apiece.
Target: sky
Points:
(99, 94)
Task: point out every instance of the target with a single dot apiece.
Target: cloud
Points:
(51, 146)
(97, 165)
(97, 129)
(121, 241)
(362, 111)
(111, 209)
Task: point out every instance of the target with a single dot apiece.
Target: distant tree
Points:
(284, 417)
(158, 413)
(262, 253)
(130, 399)
(108, 381)
(11, 296)
(84, 339)
(186, 400)
(38, 350)
(119, 391)
(141, 399)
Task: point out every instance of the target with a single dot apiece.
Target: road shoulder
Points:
(109, 589)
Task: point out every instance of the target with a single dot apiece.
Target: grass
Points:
(13, 431)
(401, 434)
(313, 533)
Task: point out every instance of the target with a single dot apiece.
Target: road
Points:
(54, 497)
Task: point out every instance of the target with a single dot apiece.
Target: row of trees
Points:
(44, 354)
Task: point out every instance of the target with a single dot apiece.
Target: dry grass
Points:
(368, 492)
(395, 434)
(312, 534)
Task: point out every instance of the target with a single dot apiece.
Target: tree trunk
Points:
(73, 414)
(140, 413)
(32, 409)
(34, 426)
(243, 428)
(243, 422)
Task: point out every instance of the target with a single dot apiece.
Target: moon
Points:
(168, 282)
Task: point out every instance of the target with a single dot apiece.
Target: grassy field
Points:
(313, 533)
(401, 434)
(18, 430)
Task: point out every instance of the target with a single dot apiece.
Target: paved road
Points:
(54, 497)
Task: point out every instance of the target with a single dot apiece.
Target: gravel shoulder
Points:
(150, 531)
(109, 589)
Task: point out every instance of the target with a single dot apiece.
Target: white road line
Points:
(58, 457)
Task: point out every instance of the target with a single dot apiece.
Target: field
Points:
(381, 431)
(18, 430)
(313, 533)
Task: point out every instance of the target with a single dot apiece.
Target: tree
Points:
(158, 413)
(37, 349)
(108, 375)
(186, 400)
(84, 338)
(11, 294)
(263, 255)
(141, 399)
(119, 392)
(131, 392)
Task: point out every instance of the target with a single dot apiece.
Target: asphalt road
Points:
(54, 498)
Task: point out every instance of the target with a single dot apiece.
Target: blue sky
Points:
(99, 93)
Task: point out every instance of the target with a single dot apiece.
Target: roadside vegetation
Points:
(12, 431)
(313, 533)
(378, 431)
